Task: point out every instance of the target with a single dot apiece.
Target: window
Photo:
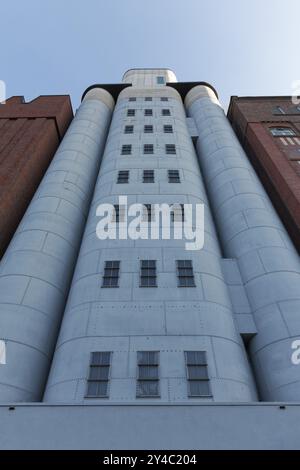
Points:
(170, 149)
(126, 149)
(177, 214)
(174, 176)
(197, 374)
(123, 177)
(119, 213)
(148, 273)
(164, 98)
(132, 98)
(148, 176)
(147, 213)
(185, 273)
(165, 112)
(278, 110)
(128, 130)
(148, 149)
(148, 98)
(168, 129)
(282, 131)
(160, 80)
(148, 112)
(99, 374)
(130, 112)
(148, 374)
(148, 129)
(111, 274)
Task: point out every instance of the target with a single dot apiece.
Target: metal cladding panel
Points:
(251, 232)
(129, 318)
(37, 269)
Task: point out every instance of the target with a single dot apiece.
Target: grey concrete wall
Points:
(169, 319)
(36, 271)
(157, 427)
(251, 232)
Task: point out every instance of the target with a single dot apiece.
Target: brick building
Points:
(269, 130)
(29, 135)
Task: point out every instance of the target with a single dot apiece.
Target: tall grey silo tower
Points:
(148, 320)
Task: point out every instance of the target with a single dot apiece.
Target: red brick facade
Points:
(276, 158)
(29, 135)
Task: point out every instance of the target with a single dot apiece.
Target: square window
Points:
(148, 129)
(185, 273)
(164, 98)
(160, 80)
(148, 112)
(166, 112)
(170, 149)
(123, 177)
(126, 149)
(132, 98)
(148, 149)
(148, 176)
(130, 112)
(168, 129)
(174, 176)
(128, 130)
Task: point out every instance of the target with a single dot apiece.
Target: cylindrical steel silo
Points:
(37, 268)
(251, 232)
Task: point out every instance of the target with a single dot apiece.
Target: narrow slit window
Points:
(132, 98)
(197, 374)
(99, 375)
(111, 274)
(147, 213)
(185, 273)
(164, 98)
(148, 98)
(177, 213)
(148, 273)
(147, 374)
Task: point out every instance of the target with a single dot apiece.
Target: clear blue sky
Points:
(242, 47)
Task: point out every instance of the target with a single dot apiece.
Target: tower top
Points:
(149, 78)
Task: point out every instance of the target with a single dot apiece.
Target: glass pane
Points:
(199, 388)
(97, 389)
(148, 358)
(195, 357)
(148, 372)
(99, 373)
(147, 389)
(100, 358)
(197, 372)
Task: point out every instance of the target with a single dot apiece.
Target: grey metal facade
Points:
(242, 312)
